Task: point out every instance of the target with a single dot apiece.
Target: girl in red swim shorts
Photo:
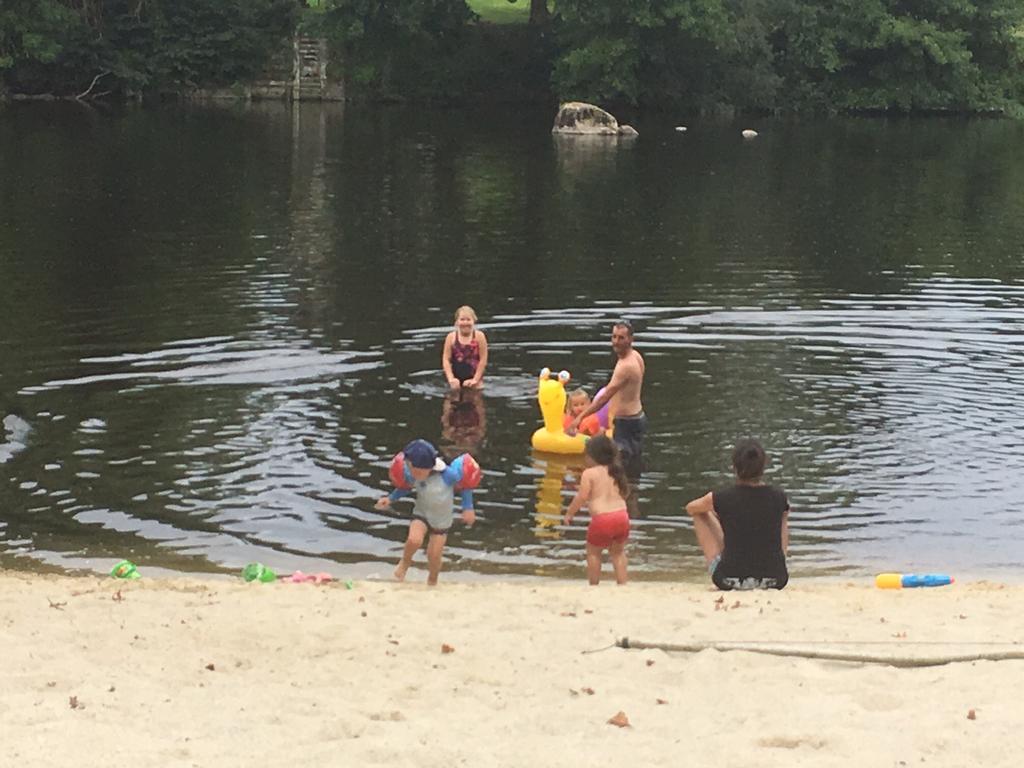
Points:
(603, 489)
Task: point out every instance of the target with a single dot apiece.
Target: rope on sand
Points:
(823, 655)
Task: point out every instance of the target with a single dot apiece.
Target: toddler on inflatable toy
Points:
(551, 438)
(578, 401)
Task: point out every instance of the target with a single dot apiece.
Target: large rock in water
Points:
(577, 118)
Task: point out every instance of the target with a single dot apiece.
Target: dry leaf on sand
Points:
(619, 720)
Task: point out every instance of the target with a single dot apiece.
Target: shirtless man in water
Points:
(630, 424)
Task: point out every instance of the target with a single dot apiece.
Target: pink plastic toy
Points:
(317, 578)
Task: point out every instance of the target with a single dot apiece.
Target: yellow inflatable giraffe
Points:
(551, 438)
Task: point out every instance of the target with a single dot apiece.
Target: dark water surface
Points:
(217, 325)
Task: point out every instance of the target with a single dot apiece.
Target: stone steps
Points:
(298, 73)
(310, 68)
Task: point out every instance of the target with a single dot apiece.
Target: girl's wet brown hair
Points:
(603, 451)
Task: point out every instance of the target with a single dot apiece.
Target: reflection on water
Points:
(560, 474)
(463, 422)
(585, 160)
(222, 323)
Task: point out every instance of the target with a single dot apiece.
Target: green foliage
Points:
(59, 46)
(31, 29)
(701, 52)
(825, 54)
(403, 48)
(895, 54)
(749, 54)
(36, 31)
(219, 42)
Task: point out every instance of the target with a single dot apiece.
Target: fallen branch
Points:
(92, 85)
(820, 655)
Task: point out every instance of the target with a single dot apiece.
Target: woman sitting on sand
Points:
(744, 528)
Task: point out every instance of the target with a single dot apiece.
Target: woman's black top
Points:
(751, 518)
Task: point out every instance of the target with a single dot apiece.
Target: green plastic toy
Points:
(258, 572)
(125, 570)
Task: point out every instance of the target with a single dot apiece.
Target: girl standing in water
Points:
(603, 488)
(465, 352)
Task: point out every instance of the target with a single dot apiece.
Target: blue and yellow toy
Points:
(552, 438)
(907, 580)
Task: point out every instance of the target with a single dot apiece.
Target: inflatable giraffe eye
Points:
(563, 376)
(545, 373)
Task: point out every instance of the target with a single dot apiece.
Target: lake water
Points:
(219, 324)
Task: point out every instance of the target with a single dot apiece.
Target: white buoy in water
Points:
(749, 134)
(681, 128)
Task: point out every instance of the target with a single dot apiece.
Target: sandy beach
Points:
(179, 672)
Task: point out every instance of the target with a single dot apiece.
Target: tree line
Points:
(802, 55)
(126, 47)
